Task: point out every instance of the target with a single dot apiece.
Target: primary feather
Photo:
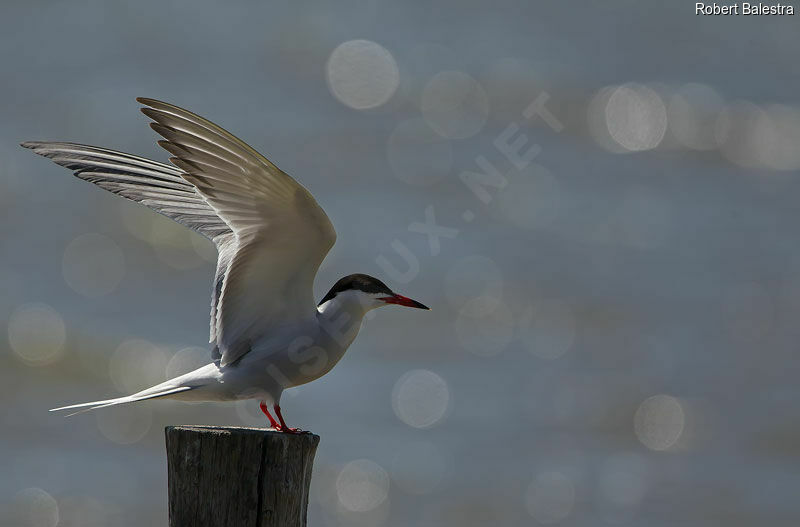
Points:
(155, 185)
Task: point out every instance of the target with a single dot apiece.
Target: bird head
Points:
(369, 292)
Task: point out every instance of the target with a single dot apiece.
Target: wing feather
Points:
(155, 185)
(281, 234)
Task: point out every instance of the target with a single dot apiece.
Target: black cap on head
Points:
(361, 282)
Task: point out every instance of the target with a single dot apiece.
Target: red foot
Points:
(285, 429)
(272, 422)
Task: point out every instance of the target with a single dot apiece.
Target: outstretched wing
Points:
(281, 234)
(157, 186)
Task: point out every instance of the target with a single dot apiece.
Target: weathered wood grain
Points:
(243, 477)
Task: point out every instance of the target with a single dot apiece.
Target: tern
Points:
(267, 332)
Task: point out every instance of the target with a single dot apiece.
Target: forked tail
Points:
(141, 396)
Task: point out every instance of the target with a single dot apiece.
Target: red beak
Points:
(403, 301)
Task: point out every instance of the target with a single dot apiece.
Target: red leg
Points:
(272, 422)
(283, 427)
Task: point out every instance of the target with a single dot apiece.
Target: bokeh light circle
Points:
(417, 154)
(36, 333)
(454, 105)
(550, 498)
(34, 507)
(636, 117)
(420, 398)
(93, 265)
(362, 485)
(362, 74)
(659, 422)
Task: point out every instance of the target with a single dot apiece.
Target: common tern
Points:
(267, 332)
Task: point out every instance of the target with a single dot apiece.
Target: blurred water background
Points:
(614, 329)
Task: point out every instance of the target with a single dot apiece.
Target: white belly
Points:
(286, 357)
(275, 363)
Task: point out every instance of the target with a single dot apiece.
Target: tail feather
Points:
(141, 396)
(70, 407)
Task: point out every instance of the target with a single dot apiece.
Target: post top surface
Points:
(231, 430)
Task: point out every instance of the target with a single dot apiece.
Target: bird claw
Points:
(287, 430)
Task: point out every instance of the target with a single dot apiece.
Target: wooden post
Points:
(243, 477)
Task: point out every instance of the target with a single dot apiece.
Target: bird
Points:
(267, 333)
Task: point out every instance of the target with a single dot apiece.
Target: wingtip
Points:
(149, 102)
(148, 105)
(29, 144)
